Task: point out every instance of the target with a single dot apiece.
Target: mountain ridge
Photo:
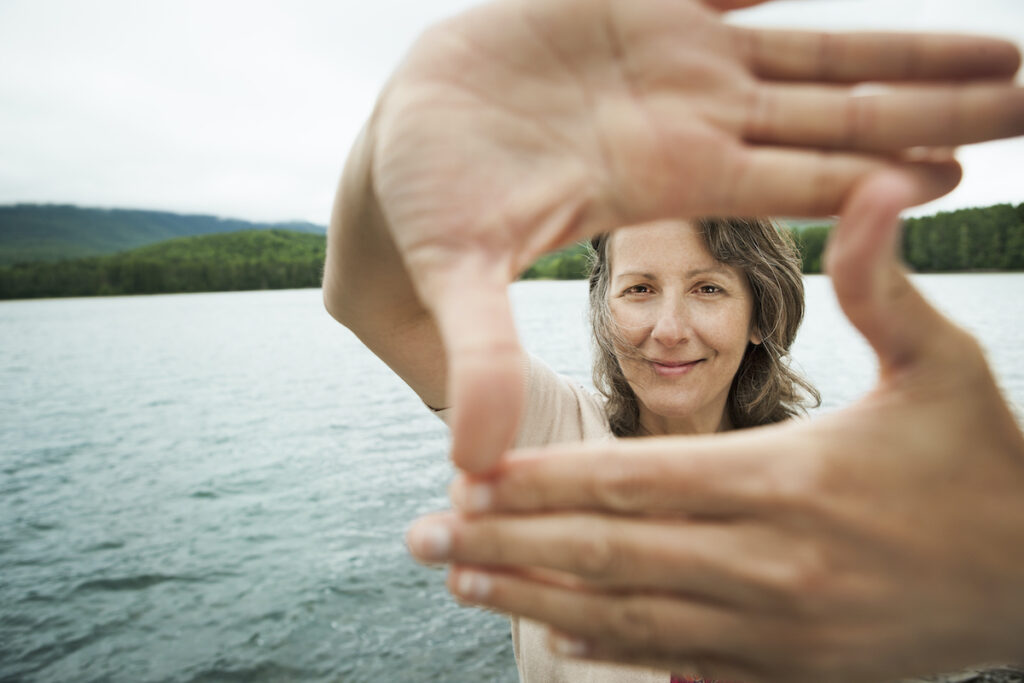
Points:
(53, 232)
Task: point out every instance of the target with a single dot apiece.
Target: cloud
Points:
(247, 108)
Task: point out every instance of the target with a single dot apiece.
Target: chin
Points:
(671, 409)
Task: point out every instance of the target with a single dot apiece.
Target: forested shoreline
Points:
(982, 239)
(978, 239)
(254, 259)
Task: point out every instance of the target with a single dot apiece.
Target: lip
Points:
(674, 368)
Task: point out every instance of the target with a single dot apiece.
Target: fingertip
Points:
(937, 177)
(480, 436)
(485, 364)
(1004, 55)
(911, 183)
(487, 393)
(429, 539)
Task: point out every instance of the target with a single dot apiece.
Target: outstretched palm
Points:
(524, 124)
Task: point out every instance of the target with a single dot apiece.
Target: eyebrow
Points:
(716, 270)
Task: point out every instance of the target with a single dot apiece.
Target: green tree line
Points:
(969, 239)
(255, 259)
(989, 238)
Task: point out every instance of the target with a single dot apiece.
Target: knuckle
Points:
(762, 114)
(793, 486)
(858, 119)
(826, 53)
(633, 622)
(801, 583)
(619, 486)
(593, 553)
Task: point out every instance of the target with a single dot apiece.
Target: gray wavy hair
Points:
(765, 389)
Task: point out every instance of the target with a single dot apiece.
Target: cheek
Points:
(730, 328)
(630, 324)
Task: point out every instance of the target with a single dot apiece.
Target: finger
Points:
(649, 625)
(780, 181)
(890, 120)
(622, 553)
(858, 57)
(870, 283)
(469, 299)
(726, 475)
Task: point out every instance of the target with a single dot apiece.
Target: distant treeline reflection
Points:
(990, 238)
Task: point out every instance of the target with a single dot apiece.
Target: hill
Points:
(252, 259)
(50, 232)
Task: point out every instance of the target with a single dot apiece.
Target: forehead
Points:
(662, 247)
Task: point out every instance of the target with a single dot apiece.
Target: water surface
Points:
(214, 487)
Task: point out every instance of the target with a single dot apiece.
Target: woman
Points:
(692, 326)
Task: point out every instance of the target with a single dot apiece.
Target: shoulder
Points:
(558, 410)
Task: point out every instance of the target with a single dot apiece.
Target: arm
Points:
(367, 287)
(880, 541)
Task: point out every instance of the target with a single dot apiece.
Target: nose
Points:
(671, 326)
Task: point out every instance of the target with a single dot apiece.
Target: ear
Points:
(755, 335)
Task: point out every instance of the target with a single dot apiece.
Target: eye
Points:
(709, 289)
(638, 289)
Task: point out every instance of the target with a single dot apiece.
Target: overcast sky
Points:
(246, 109)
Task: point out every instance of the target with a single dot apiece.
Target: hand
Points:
(522, 125)
(880, 541)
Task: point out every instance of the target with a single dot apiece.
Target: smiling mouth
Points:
(674, 368)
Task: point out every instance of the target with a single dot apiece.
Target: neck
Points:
(710, 422)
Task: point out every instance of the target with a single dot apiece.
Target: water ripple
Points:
(132, 583)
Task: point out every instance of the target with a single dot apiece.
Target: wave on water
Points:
(132, 583)
(264, 671)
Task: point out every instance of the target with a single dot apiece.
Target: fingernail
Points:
(473, 586)
(430, 540)
(568, 646)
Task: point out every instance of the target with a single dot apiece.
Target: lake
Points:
(214, 487)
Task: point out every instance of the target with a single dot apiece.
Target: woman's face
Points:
(687, 320)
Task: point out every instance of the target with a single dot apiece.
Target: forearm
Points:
(366, 285)
(365, 282)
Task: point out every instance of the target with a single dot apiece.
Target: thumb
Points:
(870, 282)
(485, 362)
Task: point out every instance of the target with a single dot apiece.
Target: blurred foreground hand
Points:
(880, 541)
